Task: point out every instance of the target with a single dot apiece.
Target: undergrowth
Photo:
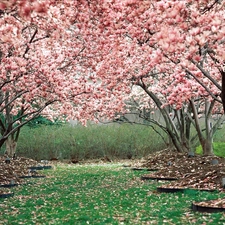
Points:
(94, 141)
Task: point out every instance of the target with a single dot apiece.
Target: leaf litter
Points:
(196, 172)
(12, 171)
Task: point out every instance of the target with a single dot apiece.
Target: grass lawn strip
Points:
(102, 194)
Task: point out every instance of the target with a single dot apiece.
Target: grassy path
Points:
(101, 194)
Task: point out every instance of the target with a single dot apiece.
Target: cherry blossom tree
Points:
(170, 47)
(79, 59)
(179, 124)
(46, 67)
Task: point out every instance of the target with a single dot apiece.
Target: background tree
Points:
(195, 122)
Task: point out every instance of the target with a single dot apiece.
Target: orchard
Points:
(85, 60)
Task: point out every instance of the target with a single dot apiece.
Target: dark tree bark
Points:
(223, 89)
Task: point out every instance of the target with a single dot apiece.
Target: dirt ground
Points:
(196, 172)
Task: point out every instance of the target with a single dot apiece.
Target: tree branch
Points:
(204, 86)
(206, 74)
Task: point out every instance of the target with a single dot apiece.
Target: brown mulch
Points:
(217, 203)
(196, 172)
(10, 173)
(192, 172)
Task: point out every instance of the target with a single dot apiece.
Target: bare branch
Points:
(206, 74)
(74, 58)
(204, 86)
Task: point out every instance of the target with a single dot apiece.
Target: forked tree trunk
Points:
(10, 146)
(179, 142)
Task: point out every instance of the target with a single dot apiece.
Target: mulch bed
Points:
(190, 172)
(202, 173)
(211, 206)
(12, 174)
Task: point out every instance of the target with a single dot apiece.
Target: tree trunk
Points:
(171, 129)
(207, 147)
(10, 146)
(207, 143)
(222, 95)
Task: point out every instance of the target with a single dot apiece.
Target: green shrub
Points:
(94, 141)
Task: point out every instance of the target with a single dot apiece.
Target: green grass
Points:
(218, 148)
(101, 194)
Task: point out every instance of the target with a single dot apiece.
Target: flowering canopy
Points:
(178, 43)
(47, 65)
(80, 58)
